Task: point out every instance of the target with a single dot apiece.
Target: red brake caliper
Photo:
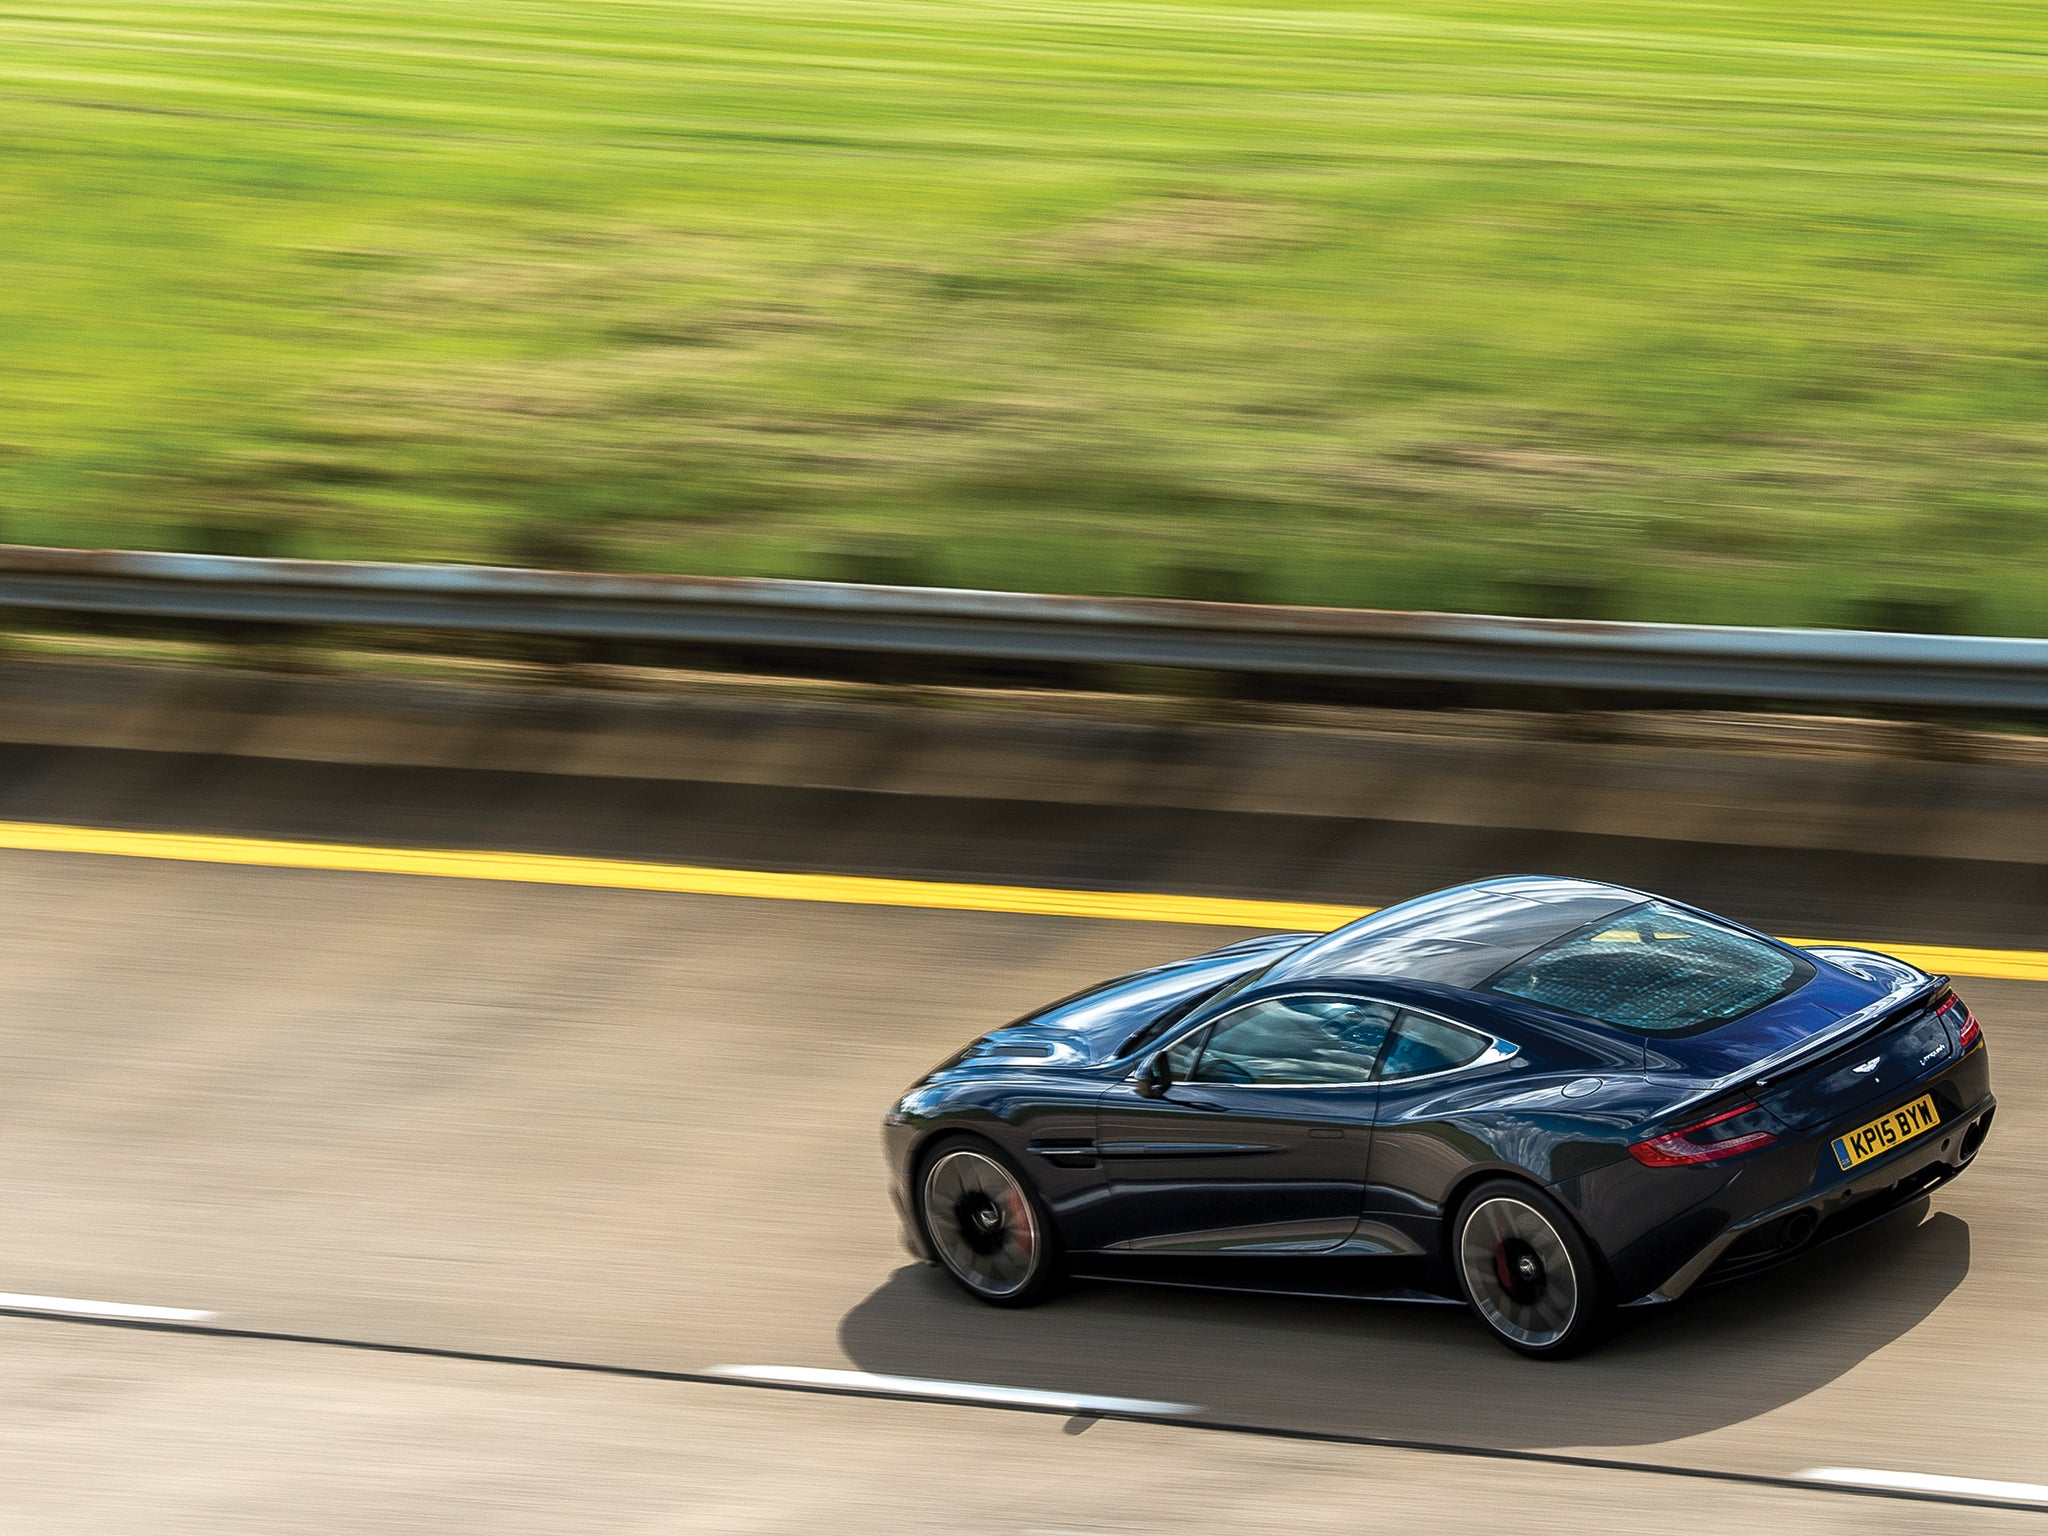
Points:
(1500, 1266)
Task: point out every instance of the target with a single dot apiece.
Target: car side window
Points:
(1425, 1044)
(1180, 1056)
(1296, 1041)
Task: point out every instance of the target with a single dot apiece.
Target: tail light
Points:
(1745, 1128)
(1968, 1032)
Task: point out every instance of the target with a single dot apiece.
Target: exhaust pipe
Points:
(1973, 1138)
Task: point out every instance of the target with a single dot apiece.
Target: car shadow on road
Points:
(1429, 1373)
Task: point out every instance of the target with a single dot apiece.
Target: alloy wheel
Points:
(1519, 1272)
(981, 1222)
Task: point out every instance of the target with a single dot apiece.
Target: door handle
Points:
(1326, 1133)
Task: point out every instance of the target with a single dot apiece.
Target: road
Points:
(639, 1131)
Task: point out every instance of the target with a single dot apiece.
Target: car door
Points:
(1418, 1153)
(1260, 1143)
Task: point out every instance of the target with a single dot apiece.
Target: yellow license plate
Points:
(1887, 1131)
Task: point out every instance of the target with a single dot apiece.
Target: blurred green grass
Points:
(1703, 312)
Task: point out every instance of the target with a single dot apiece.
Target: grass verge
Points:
(1701, 312)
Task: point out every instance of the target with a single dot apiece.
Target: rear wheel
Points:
(1528, 1272)
(986, 1225)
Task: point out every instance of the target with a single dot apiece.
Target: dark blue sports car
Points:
(1545, 1098)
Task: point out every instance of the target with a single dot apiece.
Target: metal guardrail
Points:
(1708, 661)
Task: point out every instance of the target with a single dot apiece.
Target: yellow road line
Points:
(686, 879)
(1952, 960)
(776, 885)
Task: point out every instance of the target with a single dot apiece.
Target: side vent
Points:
(1066, 1151)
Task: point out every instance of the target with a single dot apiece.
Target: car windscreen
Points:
(1656, 969)
(1143, 1005)
(1455, 938)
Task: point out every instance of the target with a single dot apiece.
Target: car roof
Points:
(1456, 937)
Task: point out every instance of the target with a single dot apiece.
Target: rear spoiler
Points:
(1838, 1036)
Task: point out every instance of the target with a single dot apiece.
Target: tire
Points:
(986, 1224)
(1527, 1271)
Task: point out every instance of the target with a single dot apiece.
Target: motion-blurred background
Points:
(1722, 312)
(443, 1202)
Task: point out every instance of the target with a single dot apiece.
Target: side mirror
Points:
(1154, 1078)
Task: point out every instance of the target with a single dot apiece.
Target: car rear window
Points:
(1656, 969)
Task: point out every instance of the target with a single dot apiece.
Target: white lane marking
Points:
(1930, 1482)
(65, 1306)
(950, 1391)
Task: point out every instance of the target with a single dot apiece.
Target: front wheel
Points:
(1528, 1273)
(986, 1225)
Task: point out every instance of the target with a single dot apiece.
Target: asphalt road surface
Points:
(470, 1123)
